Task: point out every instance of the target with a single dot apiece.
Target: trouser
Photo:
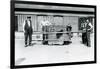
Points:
(69, 35)
(45, 36)
(28, 35)
(88, 39)
(84, 35)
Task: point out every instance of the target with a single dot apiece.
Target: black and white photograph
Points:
(52, 33)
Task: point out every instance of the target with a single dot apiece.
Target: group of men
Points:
(27, 28)
(87, 29)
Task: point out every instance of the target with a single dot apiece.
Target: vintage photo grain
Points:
(46, 33)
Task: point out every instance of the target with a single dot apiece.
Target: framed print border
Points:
(12, 29)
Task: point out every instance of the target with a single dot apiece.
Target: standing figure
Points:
(88, 32)
(27, 28)
(68, 35)
(84, 33)
(45, 30)
(69, 29)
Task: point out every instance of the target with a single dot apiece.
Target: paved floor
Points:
(41, 54)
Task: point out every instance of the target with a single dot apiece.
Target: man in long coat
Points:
(27, 28)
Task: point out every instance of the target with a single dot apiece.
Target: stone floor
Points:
(43, 54)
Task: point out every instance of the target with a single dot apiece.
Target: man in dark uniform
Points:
(84, 33)
(88, 32)
(27, 28)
